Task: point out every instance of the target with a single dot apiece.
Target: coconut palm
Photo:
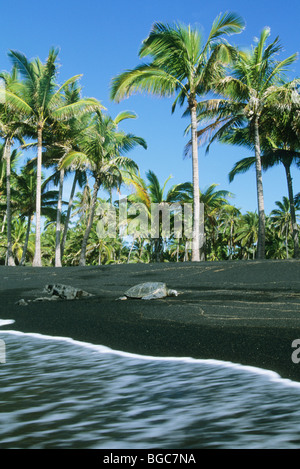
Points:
(102, 149)
(25, 194)
(41, 99)
(150, 195)
(78, 179)
(281, 220)
(14, 160)
(253, 88)
(229, 220)
(275, 243)
(19, 239)
(280, 145)
(97, 244)
(212, 201)
(10, 130)
(186, 64)
(247, 233)
(62, 139)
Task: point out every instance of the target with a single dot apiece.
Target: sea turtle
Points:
(149, 291)
(66, 292)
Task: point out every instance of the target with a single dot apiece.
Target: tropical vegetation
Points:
(236, 97)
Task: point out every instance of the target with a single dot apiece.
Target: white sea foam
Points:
(4, 322)
(271, 375)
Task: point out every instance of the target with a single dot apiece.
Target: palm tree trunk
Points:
(82, 259)
(292, 210)
(66, 227)
(196, 196)
(10, 257)
(58, 220)
(37, 260)
(260, 194)
(286, 241)
(26, 240)
(130, 251)
(230, 241)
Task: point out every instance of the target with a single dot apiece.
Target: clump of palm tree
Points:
(281, 220)
(253, 88)
(152, 198)
(102, 150)
(39, 97)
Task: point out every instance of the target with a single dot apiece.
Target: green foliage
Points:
(233, 92)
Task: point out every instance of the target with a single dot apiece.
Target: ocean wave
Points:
(102, 349)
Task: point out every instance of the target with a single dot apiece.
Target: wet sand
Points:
(246, 312)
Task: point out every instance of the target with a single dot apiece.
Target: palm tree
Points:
(41, 99)
(275, 243)
(251, 90)
(230, 217)
(80, 179)
(99, 245)
(281, 219)
(280, 145)
(62, 139)
(183, 63)
(14, 160)
(19, 239)
(102, 149)
(10, 130)
(247, 233)
(212, 201)
(25, 193)
(151, 193)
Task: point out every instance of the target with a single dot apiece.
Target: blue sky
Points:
(100, 39)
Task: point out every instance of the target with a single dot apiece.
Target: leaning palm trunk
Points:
(66, 227)
(10, 257)
(37, 260)
(292, 210)
(26, 240)
(196, 196)
(58, 220)
(82, 260)
(130, 251)
(260, 195)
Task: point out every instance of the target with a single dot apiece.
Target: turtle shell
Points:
(144, 289)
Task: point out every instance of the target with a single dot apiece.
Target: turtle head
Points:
(172, 293)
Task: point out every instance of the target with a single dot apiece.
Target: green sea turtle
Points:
(66, 292)
(149, 291)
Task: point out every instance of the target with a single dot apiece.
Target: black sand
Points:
(246, 312)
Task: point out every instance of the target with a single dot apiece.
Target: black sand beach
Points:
(246, 312)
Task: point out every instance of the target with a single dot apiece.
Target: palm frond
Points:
(144, 78)
(124, 115)
(227, 24)
(21, 62)
(15, 102)
(75, 109)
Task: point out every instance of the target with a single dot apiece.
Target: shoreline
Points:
(273, 375)
(243, 312)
